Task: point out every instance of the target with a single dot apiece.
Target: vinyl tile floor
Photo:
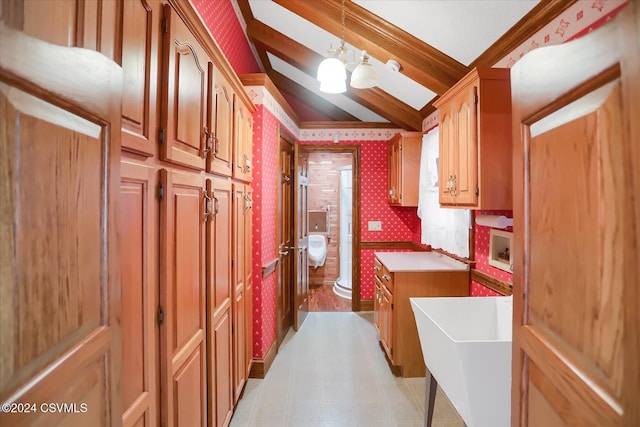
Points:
(332, 372)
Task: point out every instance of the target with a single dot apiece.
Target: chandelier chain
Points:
(343, 23)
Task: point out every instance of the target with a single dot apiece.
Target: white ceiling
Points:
(461, 29)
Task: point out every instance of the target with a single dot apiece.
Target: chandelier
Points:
(332, 71)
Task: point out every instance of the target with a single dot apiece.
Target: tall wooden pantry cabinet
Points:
(166, 316)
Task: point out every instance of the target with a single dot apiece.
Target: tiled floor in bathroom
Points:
(332, 372)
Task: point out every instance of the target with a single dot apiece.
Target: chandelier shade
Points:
(332, 75)
(364, 76)
(332, 72)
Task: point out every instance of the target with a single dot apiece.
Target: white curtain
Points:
(443, 228)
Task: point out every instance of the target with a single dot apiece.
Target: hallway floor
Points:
(333, 373)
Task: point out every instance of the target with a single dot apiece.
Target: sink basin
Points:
(466, 345)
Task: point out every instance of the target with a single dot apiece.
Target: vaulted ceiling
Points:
(436, 43)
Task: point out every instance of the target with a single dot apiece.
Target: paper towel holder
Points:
(500, 249)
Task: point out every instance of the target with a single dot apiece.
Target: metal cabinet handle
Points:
(376, 268)
(385, 277)
(208, 206)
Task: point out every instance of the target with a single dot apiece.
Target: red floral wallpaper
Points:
(265, 151)
(398, 224)
(222, 21)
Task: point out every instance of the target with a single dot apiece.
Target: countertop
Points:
(407, 262)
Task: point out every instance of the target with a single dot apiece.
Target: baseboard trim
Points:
(366, 305)
(260, 367)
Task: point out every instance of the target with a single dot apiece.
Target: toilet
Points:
(317, 251)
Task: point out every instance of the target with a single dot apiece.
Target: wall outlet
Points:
(375, 225)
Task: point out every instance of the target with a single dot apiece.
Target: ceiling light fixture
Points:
(332, 72)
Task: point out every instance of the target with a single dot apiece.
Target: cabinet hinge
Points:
(477, 191)
(162, 136)
(165, 25)
(161, 191)
(160, 315)
(475, 98)
(391, 351)
(232, 263)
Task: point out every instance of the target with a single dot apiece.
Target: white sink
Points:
(466, 344)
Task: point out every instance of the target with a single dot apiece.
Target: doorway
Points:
(334, 284)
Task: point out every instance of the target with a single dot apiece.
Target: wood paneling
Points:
(138, 226)
(58, 231)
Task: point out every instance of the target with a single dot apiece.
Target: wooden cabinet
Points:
(220, 118)
(241, 285)
(403, 155)
(243, 141)
(475, 141)
(140, 59)
(219, 297)
(576, 300)
(184, 137)
(89, 24)
(183, 212)
(393, 315)
(138, 227)
(60, 289)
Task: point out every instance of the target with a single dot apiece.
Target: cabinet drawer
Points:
(383, 275)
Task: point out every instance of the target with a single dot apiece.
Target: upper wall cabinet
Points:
(220, 121)
(475, 141)
(183, 135)
(403, 155)
(243, 141)
(89, 24)
(140, 55)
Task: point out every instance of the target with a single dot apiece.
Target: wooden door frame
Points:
(354, 150)
(286, 136)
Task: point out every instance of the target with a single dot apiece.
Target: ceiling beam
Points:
(382, 40)
(543, 13)
(303, 58)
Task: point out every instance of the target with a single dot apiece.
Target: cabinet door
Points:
(221, 122)
(140, 57)
(466, 160)
(447, 153)
(575, 282)
(220, 370)
(239, 278)
(219, 293)
(393, 157)
(184, 95)
(386, 321)
(138, 226)
(243, 143)
(60, 332)
(91, 24)
(377, 301)
(182, 297)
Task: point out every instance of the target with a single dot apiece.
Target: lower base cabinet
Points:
(393, 315)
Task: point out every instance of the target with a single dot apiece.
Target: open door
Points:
(576, 339)
(286, 235)
(300, 226)
(60, 333)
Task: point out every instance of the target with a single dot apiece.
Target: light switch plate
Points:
(375, 225)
